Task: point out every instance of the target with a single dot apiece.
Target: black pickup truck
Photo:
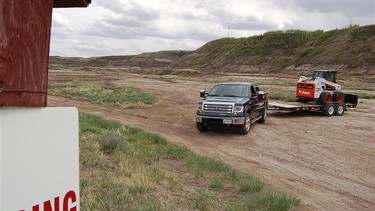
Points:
(236, 104)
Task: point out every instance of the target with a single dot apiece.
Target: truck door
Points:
(255, 106)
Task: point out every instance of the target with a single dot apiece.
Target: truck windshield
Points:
(230, 90)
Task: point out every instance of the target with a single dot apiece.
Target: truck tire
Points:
(329, 109)
(201, 127)
(264, 115)
(340, 109)
(245, 128)
(325, 98)
(338, 97)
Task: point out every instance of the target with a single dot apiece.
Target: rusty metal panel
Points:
(25, 29)
(71, 3)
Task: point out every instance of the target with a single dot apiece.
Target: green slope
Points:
(346, 49)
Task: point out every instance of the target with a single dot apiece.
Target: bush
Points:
(112, 141)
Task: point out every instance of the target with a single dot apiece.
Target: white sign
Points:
(39, 159)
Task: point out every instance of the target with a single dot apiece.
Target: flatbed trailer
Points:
(329, 109)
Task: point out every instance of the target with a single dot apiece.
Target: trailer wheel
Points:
(325, 98)
(338, 97)
(245, 128)
(201, 127)
(329, 109)
(340, 109)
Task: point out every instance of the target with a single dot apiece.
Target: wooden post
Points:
(25, 29)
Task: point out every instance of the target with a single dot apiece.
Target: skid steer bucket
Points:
(351, 100)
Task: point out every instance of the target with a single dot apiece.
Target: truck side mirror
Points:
(261, 96)
(202, 93)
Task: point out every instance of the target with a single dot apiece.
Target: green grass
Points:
(125, 168)
(103, 92)
(267, 200)
(364, 95)
(202, 199)
(283, 93)
(252, 185)
(217, 183)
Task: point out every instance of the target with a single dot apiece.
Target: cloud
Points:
(133, 26)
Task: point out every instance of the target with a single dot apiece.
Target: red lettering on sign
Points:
(48, 207)
(71, 195)
(69, 198)
(36, 208)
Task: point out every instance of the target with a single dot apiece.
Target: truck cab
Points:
(232, 104)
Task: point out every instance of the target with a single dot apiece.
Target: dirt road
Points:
(328, 162)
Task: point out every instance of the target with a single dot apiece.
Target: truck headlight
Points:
(199, 108)
(237, 110)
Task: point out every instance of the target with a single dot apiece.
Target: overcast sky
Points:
(128, 27)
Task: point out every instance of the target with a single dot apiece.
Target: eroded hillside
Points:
(350, 51)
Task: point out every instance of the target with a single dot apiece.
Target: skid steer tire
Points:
(338, 97)
(325, 98)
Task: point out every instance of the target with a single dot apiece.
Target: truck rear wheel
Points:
(329, 109)
(201, 127)
(340, 109)
(325, 98)
(245, 128)
(338, 97)
(264, 115)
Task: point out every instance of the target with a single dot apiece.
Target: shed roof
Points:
(71, 3)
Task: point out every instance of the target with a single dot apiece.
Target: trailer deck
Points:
(293, 106)
(349, 102)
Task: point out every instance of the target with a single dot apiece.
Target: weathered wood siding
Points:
(25, 29)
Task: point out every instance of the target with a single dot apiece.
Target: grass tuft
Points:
(271, 201)
(112, 141)
(217, 183)
(201, 200)
(251, 186)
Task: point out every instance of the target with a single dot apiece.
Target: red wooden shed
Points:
(25, 30)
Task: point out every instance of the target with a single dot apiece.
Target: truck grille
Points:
(218, 108)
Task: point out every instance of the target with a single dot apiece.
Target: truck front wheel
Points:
(245, 128)
(201, 127)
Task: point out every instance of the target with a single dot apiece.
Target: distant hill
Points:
(350, 50)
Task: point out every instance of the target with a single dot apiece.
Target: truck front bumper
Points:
(220, 120)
